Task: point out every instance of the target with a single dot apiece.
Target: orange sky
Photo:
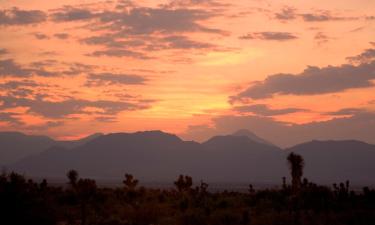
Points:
(169, 65)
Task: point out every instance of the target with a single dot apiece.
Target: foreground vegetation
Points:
(83, 203)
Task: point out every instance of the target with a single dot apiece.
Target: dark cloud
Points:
(188, 3)
(347, 111)
(321, 38)
(17, 16)
(9, 68)
(365, 57)
(100, 79)
(264, 110)
(62, 36)
(10, 118)
(61, 109)
(119, 53)
(182, 42)
(274, 36)
(40, 36)
(323, 17)
(287, 13)
(161, 20)
(20, 88)
(18, 84)
(123, 47)
(360, 126)
(312, 81)
(111, 41)
(136, 31)
(69, 13)
(44, 126)
(106, 119)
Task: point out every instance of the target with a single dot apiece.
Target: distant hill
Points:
(336, 161)
(252, 136)
(76, 143)
(159, 156)
(15, 145)
(156, 156)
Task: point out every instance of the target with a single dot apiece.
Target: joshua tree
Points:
(73, 177)
(86, 189)
(296, 164)
(183, 183)
(130, 182)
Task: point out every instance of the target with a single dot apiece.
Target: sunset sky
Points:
(195, 68)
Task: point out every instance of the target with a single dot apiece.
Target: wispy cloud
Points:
(265, 110)
(100, 79)
(16, 16)
(273, 36)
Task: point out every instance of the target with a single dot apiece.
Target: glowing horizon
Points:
(72, 68)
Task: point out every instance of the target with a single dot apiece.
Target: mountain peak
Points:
(252, 136)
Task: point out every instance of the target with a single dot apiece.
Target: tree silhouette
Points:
(183, 183)
(73, 177)
(296, 164)
(130, 182)
(86, 189)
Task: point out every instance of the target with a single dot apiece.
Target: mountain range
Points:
(158, 156)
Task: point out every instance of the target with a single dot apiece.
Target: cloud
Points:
(20, 88)
(40, 36)
(102, 79)
(119, 53)
(321, 38)
(61, 109)
(69, 14)
(15, 16)
(347, 111)
(62, 36)
(13, 120)
(10, 118)
(106, 119)
(323, 17)
(139, 20)
(182, 42)
(274, 36)
(189, 3)
(365, 57)
(287, 13)
(360, 126)
(134, 31)
(312, 81)
(3, 51)
(264, 110)
(44, 126)
(152, 20)
(9, 68)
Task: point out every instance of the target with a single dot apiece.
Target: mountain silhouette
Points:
(252, 136)
(159, 156)
(336, 161)
(15, 145)
(155, 156)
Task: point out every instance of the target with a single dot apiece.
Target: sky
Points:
(290, 71)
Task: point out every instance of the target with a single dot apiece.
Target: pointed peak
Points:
(252, 136)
